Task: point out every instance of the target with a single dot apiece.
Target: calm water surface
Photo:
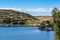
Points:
(25, 33)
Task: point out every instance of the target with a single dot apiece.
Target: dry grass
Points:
(43, 18)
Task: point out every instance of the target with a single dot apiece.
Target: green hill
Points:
(11, 17)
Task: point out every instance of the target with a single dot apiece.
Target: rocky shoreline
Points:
(45, 27)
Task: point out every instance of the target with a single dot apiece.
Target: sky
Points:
(32, 7)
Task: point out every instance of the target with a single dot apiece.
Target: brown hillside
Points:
(43, 18)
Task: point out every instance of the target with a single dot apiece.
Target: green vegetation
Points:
(46, 25)
(56, 19)
(11, 17)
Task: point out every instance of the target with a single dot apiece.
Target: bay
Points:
(25, 33)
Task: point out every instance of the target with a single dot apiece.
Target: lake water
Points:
(25, 33)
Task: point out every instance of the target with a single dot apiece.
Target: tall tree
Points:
(56, 19)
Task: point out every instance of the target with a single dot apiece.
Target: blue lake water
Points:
(25, 33)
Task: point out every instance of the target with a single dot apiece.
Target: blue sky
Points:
(33, 7)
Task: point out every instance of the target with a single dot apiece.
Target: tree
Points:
(7, 21)
(56, 20)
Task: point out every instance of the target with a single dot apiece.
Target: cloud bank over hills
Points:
(38, 10)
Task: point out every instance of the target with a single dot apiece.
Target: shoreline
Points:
(40, 28)
(19, 26)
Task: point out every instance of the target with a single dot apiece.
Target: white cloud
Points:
(38, 10)
(16, 9)
(31, 9)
